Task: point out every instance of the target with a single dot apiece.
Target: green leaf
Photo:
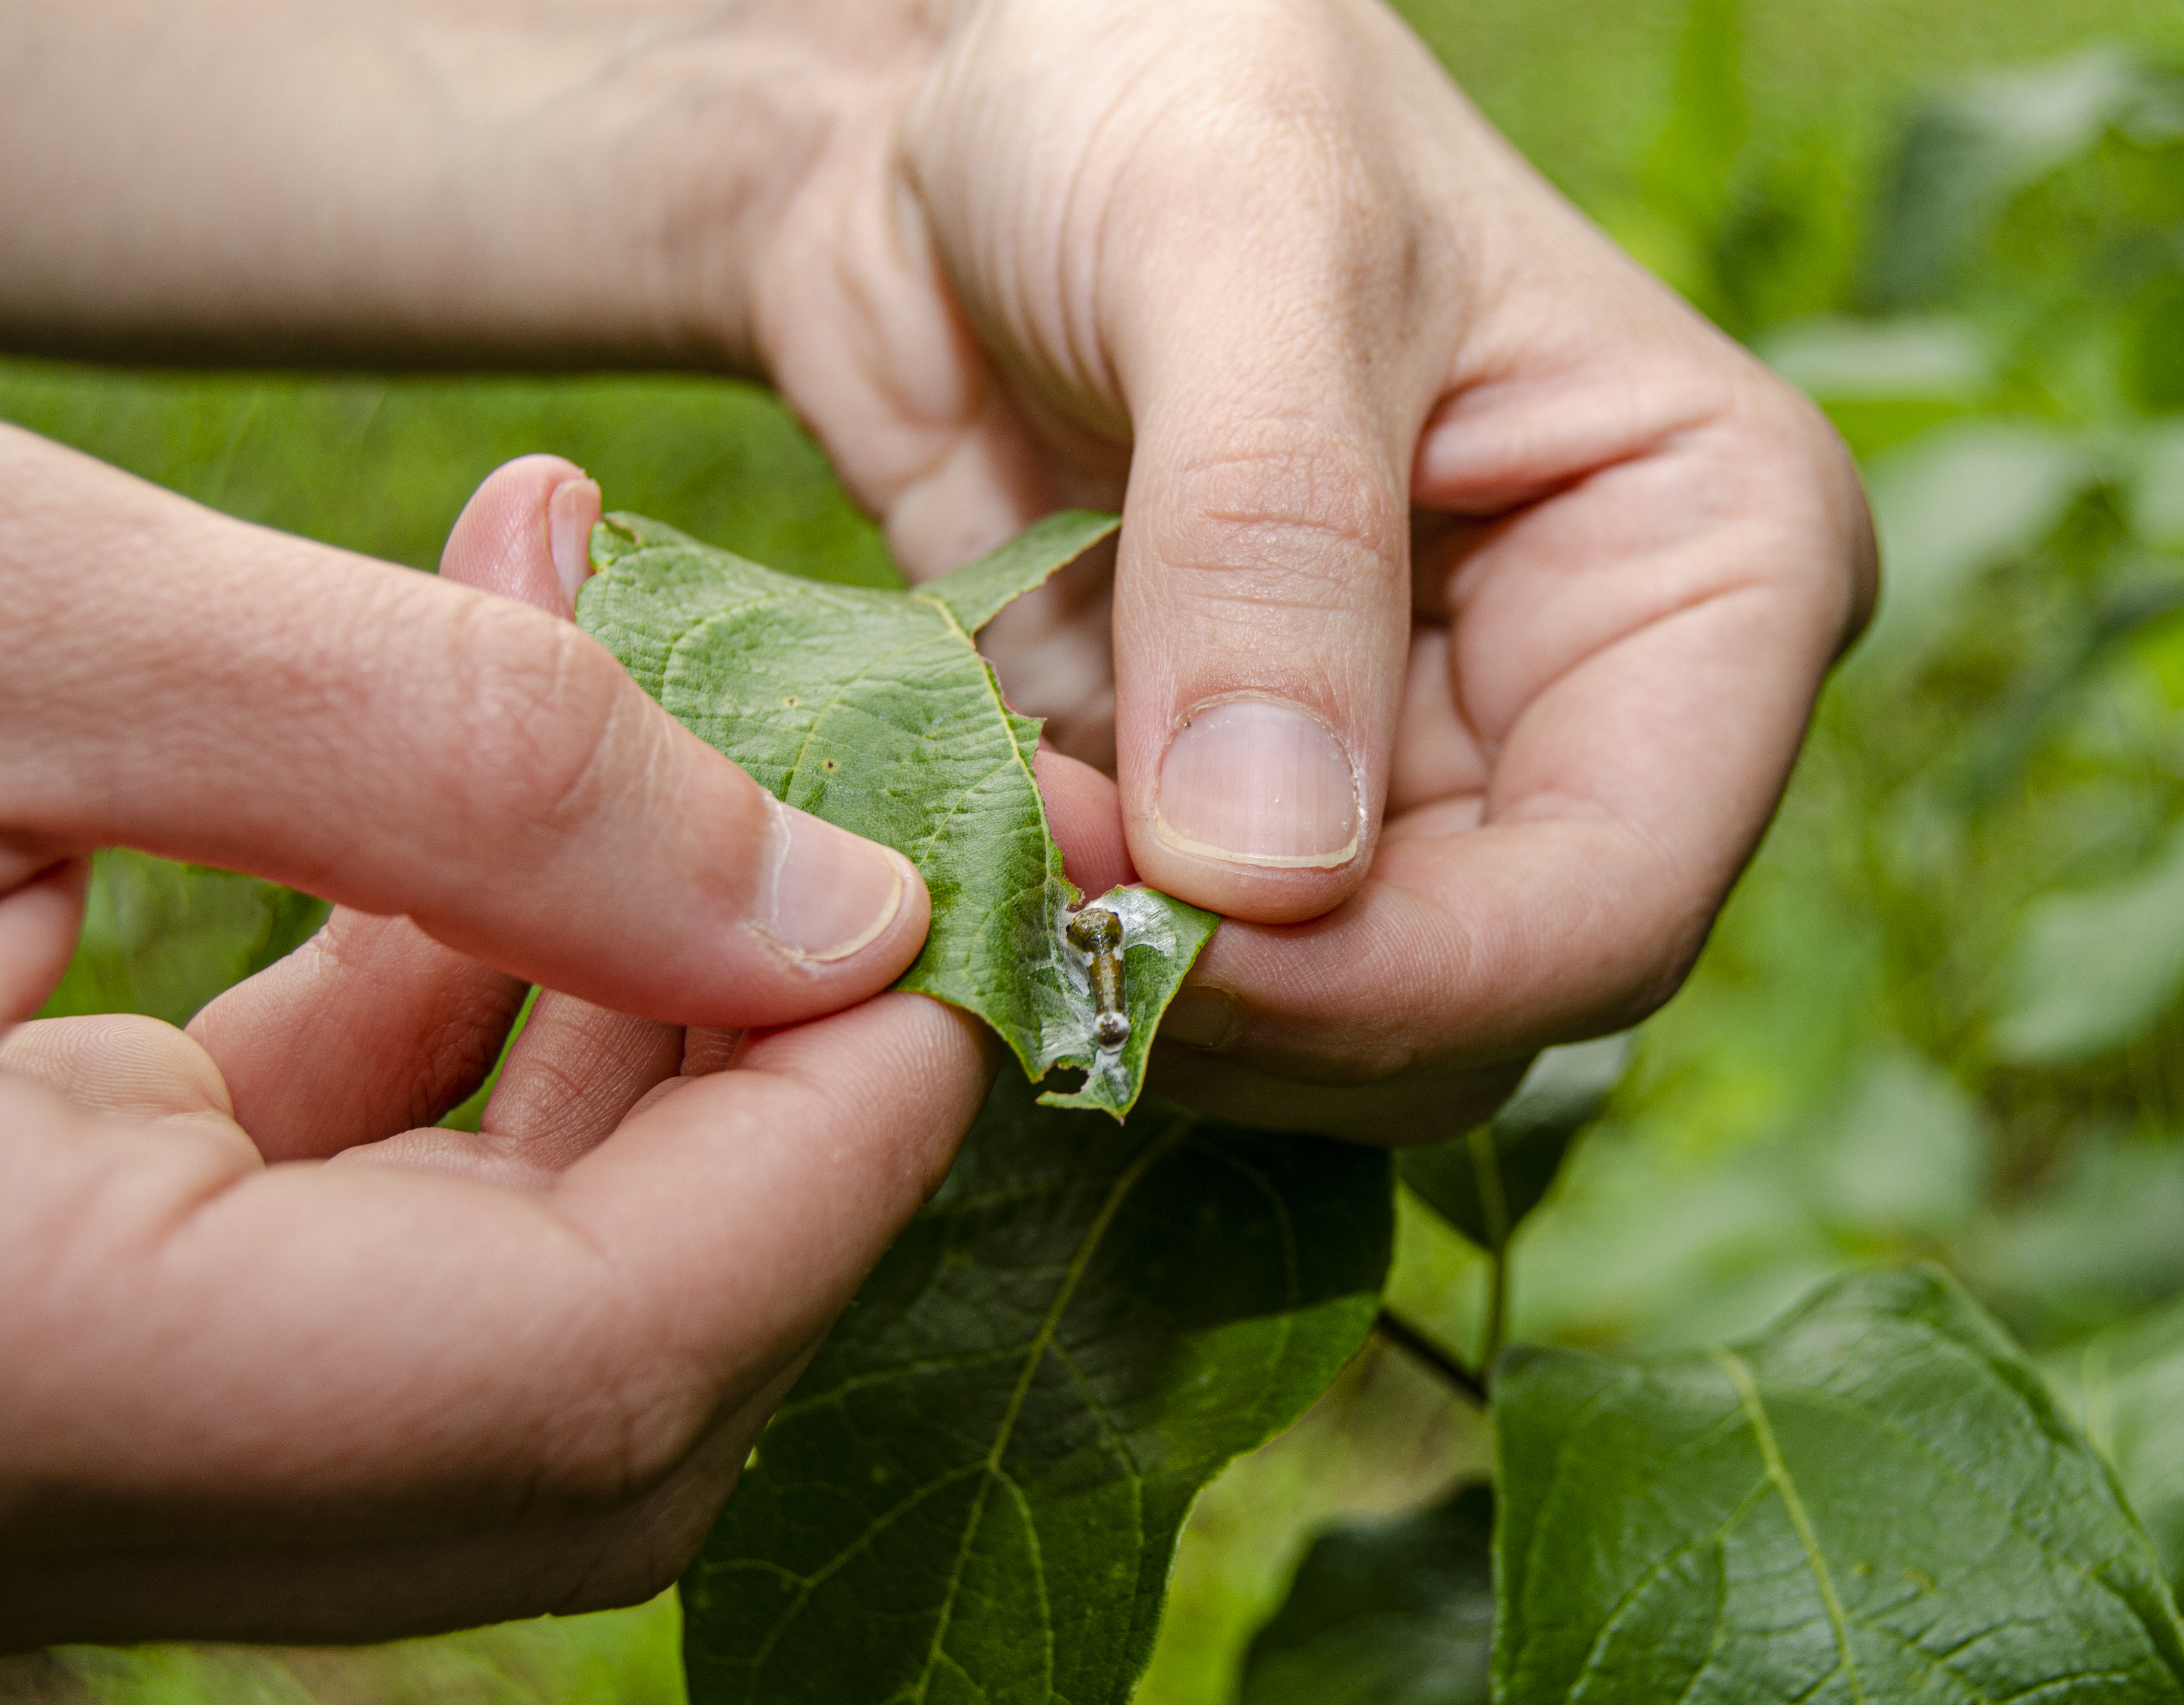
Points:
(1391, 1613)
(2156, 501)
(1969, 151)
(873, 709)
(1837, 358)
(1485, 1182)
(976, 1489)
(1956, 502)
(163, 939)
(2092, 970)
(1875, 1500)
(2094, 1247)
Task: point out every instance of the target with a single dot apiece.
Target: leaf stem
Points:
(1407, 1337)
(1497, 1306)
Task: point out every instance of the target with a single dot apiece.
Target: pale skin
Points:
(1540, 572)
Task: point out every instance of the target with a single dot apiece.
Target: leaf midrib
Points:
(1119, 1192)
(1778, 1474)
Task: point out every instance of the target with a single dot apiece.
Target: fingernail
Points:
(572, 512)
(826, 894)
(1259, 782)
(1200, 1016)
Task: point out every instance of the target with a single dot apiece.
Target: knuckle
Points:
(1800, 475)
(542, 710)
(1302, 516)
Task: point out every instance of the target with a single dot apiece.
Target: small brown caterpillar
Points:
(1097, 934)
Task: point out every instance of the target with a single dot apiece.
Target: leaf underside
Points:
(1485, 1182)
(1385, 1613)
(1876, 1500)
(975, 1491)
(873, 709)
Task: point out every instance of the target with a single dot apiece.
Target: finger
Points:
(745, 1207)
(921, 429)
(1053, 652)
(121, 1063)
(1083, 813)
(705, 1051)
(373, 1027)
(912, 414)
(526, 534)
(369, 1028)
(1262, 602)
(402, 744)
(41, 919)
(1434, 1104)
(129, 1067)
(570, 1080)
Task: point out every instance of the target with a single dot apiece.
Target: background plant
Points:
(1939, 1018)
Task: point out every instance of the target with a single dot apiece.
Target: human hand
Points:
(1253, 267)
(1508, 582)
(415, 1378)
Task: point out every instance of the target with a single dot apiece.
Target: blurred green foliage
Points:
(629, 1658)
(1940, 1017)
(163, 939)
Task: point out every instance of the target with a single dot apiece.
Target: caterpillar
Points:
(1097, 934)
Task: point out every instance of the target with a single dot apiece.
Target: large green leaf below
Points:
(975, 1491)
(1876, 1500)
(873, 708)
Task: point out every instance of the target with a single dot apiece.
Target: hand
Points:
(409, 1378)
(1546, 571)
(1473, 592)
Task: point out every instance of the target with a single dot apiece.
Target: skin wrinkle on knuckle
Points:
(1314, 508)
(538, 1092)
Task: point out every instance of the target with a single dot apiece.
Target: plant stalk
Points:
(1409, 1338)
(1497, 1307)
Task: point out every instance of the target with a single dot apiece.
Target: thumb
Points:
(1262, 625)
(396, 743)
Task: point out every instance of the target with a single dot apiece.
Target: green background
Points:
(1892, 1046)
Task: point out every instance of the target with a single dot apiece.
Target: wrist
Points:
(778, 120)
(416, 183)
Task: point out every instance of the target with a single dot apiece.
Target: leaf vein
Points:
(1770, 1453)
